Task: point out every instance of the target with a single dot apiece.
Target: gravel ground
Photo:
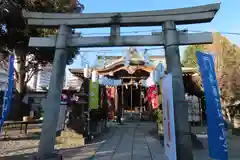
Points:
(22, 149)
(16, 143)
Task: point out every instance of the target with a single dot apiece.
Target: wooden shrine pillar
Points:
(122, 100)
(140, 103)
(140, 91)
(131, 103)
(116, 100)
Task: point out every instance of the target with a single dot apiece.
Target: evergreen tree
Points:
(15, 35)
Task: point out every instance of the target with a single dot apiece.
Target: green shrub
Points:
(158, 115)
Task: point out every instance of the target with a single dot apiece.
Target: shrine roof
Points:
(136, 63)
(131, 69)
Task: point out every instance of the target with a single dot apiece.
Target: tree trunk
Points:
(20, 60)
(19, 109)
(228, 115)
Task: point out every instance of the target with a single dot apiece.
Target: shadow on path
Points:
(154, 134)
(82, 153)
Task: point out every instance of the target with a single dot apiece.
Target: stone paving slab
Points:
(124, 148)
(131, 141)
(106, 151)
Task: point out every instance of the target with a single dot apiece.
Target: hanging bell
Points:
(100, 79)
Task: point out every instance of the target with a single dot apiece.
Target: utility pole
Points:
(51, 105)
(183, 139)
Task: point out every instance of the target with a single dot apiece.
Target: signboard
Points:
(168, 118)
(217, 141)
(94, 93)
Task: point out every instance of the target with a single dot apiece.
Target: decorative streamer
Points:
(126, 59)
(108, 81)
(94, 76)
(85, 71)
(158, 73)
(144, 83)
(104, 61)
(146, 57)
(101, 79)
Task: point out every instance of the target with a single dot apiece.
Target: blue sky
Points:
(226, 20)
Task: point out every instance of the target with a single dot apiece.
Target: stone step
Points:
(236, 131)
(69, 137)
(70, 141)
(72, 134)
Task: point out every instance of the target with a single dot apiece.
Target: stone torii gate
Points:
(170, 38)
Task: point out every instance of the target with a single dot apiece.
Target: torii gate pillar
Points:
(171, 44)
(52, 102)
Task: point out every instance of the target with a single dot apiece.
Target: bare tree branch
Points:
(31, 74)
(4, 65)
(16, 75)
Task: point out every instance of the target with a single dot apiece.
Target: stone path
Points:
(138, 141)
(132, 141)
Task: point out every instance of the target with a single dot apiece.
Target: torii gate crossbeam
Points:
(180, 16)
(107, 41)
(170, 38)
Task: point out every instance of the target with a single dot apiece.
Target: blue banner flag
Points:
(217, 141)
(8, 93)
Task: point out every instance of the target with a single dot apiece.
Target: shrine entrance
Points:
(170, 38)
(132, 100)
(130, 93)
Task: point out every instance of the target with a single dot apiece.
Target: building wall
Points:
(40, 95)
(32, 83)
(73, 81)
(103, 61)
(41, 78)
(3, 79)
